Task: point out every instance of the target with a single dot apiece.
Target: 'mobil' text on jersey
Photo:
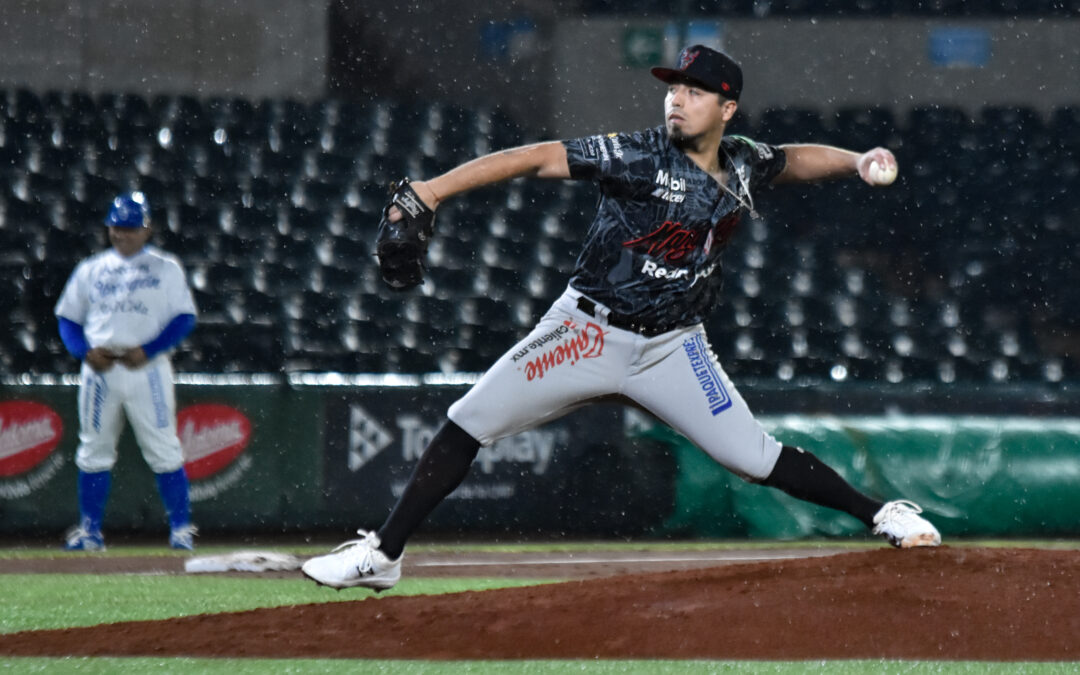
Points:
(653, 250)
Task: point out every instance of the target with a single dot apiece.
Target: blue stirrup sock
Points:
(93, 494)
(173, 487)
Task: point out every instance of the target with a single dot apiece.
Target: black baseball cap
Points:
(714, 70)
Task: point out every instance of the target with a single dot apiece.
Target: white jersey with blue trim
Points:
(125, 302)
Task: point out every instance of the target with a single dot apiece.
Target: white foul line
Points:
(607, 561)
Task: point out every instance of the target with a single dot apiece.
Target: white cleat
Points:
(183, 538)
(81, 538)
(901, 524)
(357, 562)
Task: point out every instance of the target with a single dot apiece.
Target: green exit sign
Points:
(643, 47)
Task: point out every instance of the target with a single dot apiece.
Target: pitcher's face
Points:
(691, 111)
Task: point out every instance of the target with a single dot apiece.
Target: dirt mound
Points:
(945, 603)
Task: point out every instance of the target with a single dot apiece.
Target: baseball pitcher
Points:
(629, 324)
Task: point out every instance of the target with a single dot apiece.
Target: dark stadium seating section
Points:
(961, 272)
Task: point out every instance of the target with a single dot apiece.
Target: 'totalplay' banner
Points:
(578, 474)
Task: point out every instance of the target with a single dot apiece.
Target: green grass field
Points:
(42, 601)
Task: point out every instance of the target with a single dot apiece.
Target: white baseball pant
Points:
(148, 398)
(572, 358)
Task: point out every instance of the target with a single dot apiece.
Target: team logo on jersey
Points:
(213, 437)
(29, 433)
(122, 280)
(671, 242)
(586, 343)
(670, 188)
(712, 386)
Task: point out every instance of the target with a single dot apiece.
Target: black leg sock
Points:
(441, 468)
(804, 476)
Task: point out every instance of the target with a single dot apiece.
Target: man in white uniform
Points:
(121, 313)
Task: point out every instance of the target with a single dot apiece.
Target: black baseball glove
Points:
(402, 246)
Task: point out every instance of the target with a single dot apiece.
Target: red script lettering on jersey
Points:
(671, 240)
(587, 344)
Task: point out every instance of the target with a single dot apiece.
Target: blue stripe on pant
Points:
(97, 401)
(157, 396)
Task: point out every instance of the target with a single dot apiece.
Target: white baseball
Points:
(882, 175)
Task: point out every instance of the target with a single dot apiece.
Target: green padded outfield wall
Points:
(253, 454)
(289, 457)
(975, 476)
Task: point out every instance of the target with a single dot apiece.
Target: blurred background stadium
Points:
(265, 134)
(265, 138)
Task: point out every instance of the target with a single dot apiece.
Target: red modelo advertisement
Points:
(29, 432)
(212, 435)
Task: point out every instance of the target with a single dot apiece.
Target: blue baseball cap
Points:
(128, 210)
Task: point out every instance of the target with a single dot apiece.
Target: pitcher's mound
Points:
(944, 603)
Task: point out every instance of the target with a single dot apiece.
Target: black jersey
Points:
(653, 251)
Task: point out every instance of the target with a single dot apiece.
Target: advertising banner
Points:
(30, 432)
(576, 475)
(252, 455)
(285, 458)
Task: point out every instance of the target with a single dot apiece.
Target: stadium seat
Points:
(273, 204)
(865, 127)
(790, 124)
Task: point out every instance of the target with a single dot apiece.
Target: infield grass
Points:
(44, 601)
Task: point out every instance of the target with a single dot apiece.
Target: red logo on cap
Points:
(687, 58)
(725, 86)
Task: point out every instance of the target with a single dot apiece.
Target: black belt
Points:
(621, 320)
